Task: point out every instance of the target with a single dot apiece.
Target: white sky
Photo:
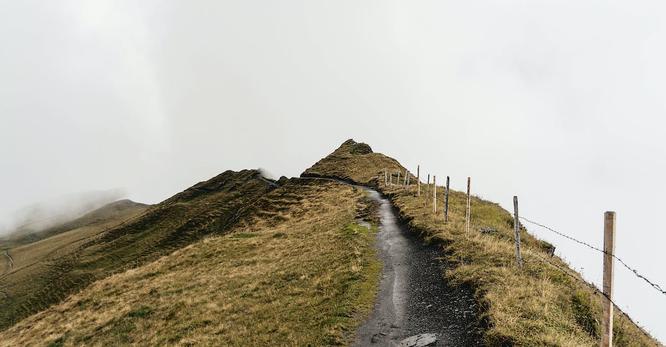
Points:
(559, 102)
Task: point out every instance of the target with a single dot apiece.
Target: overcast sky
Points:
(560, 102)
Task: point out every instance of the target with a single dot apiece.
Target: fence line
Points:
(608, 251)
(651, 283)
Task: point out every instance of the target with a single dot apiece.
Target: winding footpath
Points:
(10, 262)
(415, 306)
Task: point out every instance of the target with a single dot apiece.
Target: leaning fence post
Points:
(609, 250)
(468, 215)
(434, 195)
(418, 180)
(446, 201)
(516, 229)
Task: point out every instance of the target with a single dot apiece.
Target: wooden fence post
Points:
(468, 215)
(397, 180)
(427, 190)
(406, 177)
(434, 195)
(609, 250)
(446, 201)
(418, 180)
(516, 230)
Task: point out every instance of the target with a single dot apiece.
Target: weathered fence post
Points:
(516, 230)
(446, 201)
(427, 190)
(418, 180)
(385, 177)
(468, 215)
(406, 177)
(397, 180)
(434, 195)
(609, 250)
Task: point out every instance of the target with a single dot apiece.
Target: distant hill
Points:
(115, 211)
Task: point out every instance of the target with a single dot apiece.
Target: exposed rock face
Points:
(353, 147)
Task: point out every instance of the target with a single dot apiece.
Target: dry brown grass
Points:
(305, 275)
(51, 269)
(32, 261)
(537, 306)
(540, 305)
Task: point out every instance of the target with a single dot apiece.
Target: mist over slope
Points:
(47, 214)
(115, 211)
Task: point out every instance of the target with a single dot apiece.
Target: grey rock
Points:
(420, 340)
(488, 230)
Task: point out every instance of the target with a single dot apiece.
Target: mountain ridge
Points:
(239, 219)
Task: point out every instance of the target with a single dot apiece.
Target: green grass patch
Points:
(243, 235)
(142, 312)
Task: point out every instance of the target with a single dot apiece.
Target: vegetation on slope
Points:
(25, 261)
(21, 253)
(538, 306)
(68, 264)
(299, 270)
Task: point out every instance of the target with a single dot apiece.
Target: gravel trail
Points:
(414, 298)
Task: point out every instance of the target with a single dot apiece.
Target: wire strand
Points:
(635, 272)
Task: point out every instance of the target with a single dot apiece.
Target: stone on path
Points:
(420, 340)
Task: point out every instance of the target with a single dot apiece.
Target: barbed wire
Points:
(633, 270)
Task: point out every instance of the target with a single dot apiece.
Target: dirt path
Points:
(414, 298)
(10, 262)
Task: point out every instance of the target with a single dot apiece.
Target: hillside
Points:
(539, 306)
(68, 263)
(21, 251)
(298, 270)
(242, 260)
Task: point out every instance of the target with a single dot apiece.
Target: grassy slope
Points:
(211, 206)
(539, 306)
(45, 244)
(297, 271)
